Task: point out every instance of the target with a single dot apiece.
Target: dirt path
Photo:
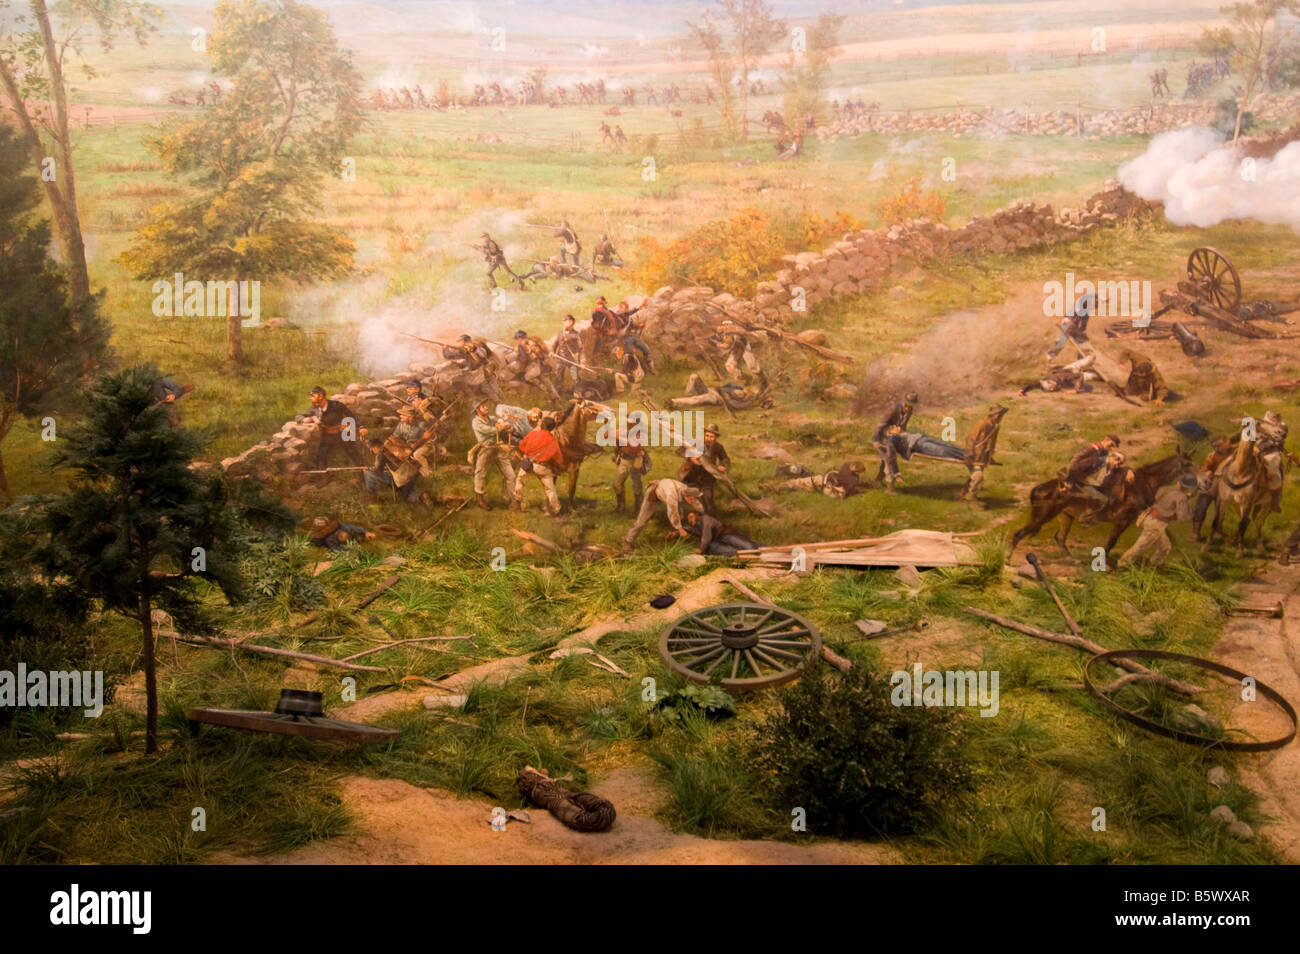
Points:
(401, 824)
(1269, 650)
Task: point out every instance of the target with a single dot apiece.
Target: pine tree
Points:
(141, 528)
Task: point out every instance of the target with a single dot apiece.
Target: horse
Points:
(1054, 498)
(1242, 484)
(571, 434)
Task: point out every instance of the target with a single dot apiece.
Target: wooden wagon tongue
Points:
(301, 703)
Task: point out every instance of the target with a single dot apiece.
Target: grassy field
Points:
(965, 332)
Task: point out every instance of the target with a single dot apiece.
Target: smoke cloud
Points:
(1203, 182)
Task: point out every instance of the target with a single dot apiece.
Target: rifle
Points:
(549, 228)
(780, 335)
(331, 470)
(718, 475)
(441, 344)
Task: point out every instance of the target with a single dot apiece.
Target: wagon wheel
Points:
(1215, 279)
(744, 645)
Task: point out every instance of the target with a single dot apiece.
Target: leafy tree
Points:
(257, 160)
(47, 341)
(1248, 42)
(141, 528)
(35, 57)
(753, 29)
(807, 73)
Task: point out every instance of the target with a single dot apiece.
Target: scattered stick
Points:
(212, 643)
(1088, 646)
(404, 642)
(1047, 585)
(433, 526)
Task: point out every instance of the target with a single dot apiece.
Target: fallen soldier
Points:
(735, 396)
(716, 538)
(845, 482)
(333, 535)
(1061, 379)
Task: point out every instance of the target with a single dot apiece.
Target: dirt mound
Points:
(401, 824)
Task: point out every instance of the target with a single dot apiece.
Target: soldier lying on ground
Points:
(554, 268)
(732, 395)
(716, 538)
(1062, 379)
(845, 482)
(333, 535)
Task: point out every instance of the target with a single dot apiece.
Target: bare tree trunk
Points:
(150, 672)
(66, 224)
(6, 420)
(64, 200)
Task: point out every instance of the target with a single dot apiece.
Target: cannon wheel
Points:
(1215, 279)
(745, 646)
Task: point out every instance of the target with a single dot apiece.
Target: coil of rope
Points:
(581, 811)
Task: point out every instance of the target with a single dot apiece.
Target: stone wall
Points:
(677, 319)
(1122, 121)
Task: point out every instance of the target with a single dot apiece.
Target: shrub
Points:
(911, 202)
(735, 254)
(858, 764)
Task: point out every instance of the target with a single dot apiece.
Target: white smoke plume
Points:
(1203, 182)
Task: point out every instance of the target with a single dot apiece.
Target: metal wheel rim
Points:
(1213, 273)
(783, 644)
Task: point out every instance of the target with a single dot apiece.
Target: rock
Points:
(908, 576)
(1241, 831)
(1218, 777)
(1223, 814)
(691, 560)
(392, 561)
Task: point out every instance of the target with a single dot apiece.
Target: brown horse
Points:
(571, 435)
(1054, 498)
(1243, 485)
